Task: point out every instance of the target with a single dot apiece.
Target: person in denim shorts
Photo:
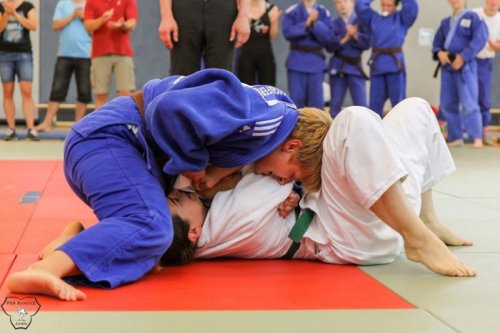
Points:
(17, 19)
(73, 57)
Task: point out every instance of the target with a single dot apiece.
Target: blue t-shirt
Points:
(74, 40)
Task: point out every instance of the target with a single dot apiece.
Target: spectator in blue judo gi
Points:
(348, 42)
(387, 66)
(118, 160)
(458, 40)
(306, 26)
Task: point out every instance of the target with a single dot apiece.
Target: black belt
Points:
(298, 231)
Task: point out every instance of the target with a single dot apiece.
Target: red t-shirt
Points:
(107, 41)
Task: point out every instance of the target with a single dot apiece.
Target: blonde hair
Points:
(311, 130)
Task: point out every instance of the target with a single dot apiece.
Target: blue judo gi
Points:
(111, 162)
(346, 70)
(466, 35)
(306, 62)
(387, 65)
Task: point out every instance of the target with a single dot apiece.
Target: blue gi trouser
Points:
(306, 89)
(338, 89)
(459, 93)
(383, 86)
(107, 170)
(485, 78)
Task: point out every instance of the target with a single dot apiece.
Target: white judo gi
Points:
(363, 156)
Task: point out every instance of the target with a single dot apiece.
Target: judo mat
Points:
(36, 204)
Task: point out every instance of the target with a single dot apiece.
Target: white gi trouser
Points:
(363, 156)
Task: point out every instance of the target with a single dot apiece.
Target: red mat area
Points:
(211, 285)
(5, 263)
(236, 285)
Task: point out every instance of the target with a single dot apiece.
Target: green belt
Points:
(298, 231)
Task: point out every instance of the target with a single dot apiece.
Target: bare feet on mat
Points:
(448, 236)
(69, 232)
(35, 281)
(434, 254)
(478, 143)
(456, 143)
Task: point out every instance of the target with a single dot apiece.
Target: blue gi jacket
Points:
(387, 32)
(206, 117)
(296, 32)
(352, 49)
(469, 37)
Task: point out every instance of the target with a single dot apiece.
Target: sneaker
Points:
(10, 135)
(32, 135)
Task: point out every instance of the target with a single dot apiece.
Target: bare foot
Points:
(36, 281)
(432, 253)
(43, 127)
(69, 232)
(456, 143)
(478, 143)
(447, 235)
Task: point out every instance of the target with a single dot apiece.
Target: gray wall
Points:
(152, 61)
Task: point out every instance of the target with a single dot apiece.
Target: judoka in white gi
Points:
(363, 159)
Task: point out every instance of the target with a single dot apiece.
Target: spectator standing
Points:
(387, 66)
(458, 40)
(485, 61)
(306, 26)
(256, 62)
(73, 57)
(110, 23)
(349, 40)
(17, 19)
(196, 30)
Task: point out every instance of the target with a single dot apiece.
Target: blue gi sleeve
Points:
(409, 12)
(363, 40)
(291, 28)
(364, 11)
(479, 38)
(322, 29)
(439, 38)
(337, 33)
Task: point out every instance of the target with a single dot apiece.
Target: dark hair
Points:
(181, 251)
(396, 3)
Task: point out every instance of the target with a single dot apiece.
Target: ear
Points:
(292, 145)
(194, 234)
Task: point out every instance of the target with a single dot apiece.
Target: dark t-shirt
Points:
(15, 37)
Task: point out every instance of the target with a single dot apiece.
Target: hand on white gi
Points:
(458, 62)
(287, 206)
(240, 30)
(225, 184)
(168, 31)
(493, 46)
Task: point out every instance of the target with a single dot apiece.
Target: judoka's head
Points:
(299, 157)
(188, 215)
(492, 5)
(389, 6)
(344, 7)
(188, 206)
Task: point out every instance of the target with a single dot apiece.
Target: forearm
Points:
(166, 9)
(61, 23)
(93, 24)
(29, 22)
(129, 25)
(3, 21)
(243, 8)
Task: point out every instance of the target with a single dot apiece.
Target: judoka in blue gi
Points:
(388, 31)
(114, 160)
(457, 42)
(349, 40)
(305, 25)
